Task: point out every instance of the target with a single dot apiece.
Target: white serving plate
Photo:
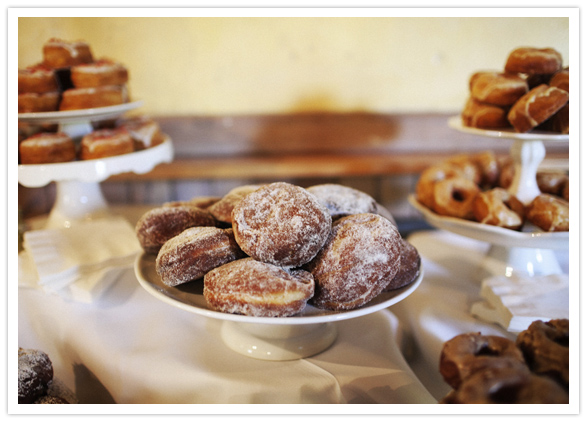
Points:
(77, 116)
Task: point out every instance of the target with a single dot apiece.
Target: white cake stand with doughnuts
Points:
(531, 250)
(265, 338)
(78, 193)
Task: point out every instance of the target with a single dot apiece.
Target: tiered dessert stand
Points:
(78, 193)
(531, 250)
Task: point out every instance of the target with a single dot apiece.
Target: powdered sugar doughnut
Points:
(194, 252)
(409, 268)
(35, 373)
(360, 257)
(258, 289)
(342, 200)
(160, 224)
(222, 210)
(281, 224)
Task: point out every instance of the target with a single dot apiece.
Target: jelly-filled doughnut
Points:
(530, 60)
(548, 212)
(409, 268)
(342, 200)
(468, 353)
(537, 106)
(484, 116)
(194, 252)
(454, 197)
(501, 89)
(258, 289)
(35, 373)
(545, 346)
(360, 258)
(45, 148)
(500, 208)
(222, 209)
(160, 224)
(281, 224)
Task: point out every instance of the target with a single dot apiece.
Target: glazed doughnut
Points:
(507, 170)
(258, 289)
(500, 208)
(37, 79)
(467, 167)
(536, 107)
(484, 116)
(144, 132)
(35, 373)
(545, 346)
(559, 122)
(160, 224)
(46, 148)
(507, 386)
(360, 258)
(409, 268)
(222, 210)
(58, 53)
(454, 197)
(488, 166)
(551, 182)
(429, 177)
(101, 72)
(194, 252)
(529, 60)
(548, 212)
(282, 224)
(342, 200)
(38, 103)
(84, 98)
(560, 80)
(105, 143)
(501, 89)
(468, 353)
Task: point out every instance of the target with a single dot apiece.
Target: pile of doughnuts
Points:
(268, 250)
(488, 369)
(530, 93)
(68, 78)
(475, 187)
(36, 383)
(120, 137)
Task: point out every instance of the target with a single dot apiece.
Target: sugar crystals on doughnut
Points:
(258, 289)
(282, 224)
(35, 374)
(360, 258)
(222, 209)
(342, 200)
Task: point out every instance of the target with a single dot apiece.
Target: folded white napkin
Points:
(517, 301)
(80, 262)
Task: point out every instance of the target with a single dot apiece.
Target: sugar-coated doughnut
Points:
(58, 53)
(222, 209)
(84, 98)
(258, 289)
(194, 252)
(360, 258)
(484, 116)
(105, 143)
(501, 89)
(282, 224)
(46, 148)
(35, 373)
(545, 346)
(454, 197)
(537, 106)
(101, 72)
(468, 353)
(37, 79)
(532, 60)
(160, 224)
(31, 102)
(342, 200)
(548, 212)
(409, 268)
(500, 208)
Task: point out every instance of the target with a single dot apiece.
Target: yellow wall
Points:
(209, 66)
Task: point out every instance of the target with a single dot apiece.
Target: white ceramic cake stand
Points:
(264, 338)
(78, 194)
(529, 252)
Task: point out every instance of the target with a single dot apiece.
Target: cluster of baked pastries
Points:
(490, 369)
(268, 250)
(475, 187)
(531, 93)
(125, 136)
(36, 383)
(69, 78)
